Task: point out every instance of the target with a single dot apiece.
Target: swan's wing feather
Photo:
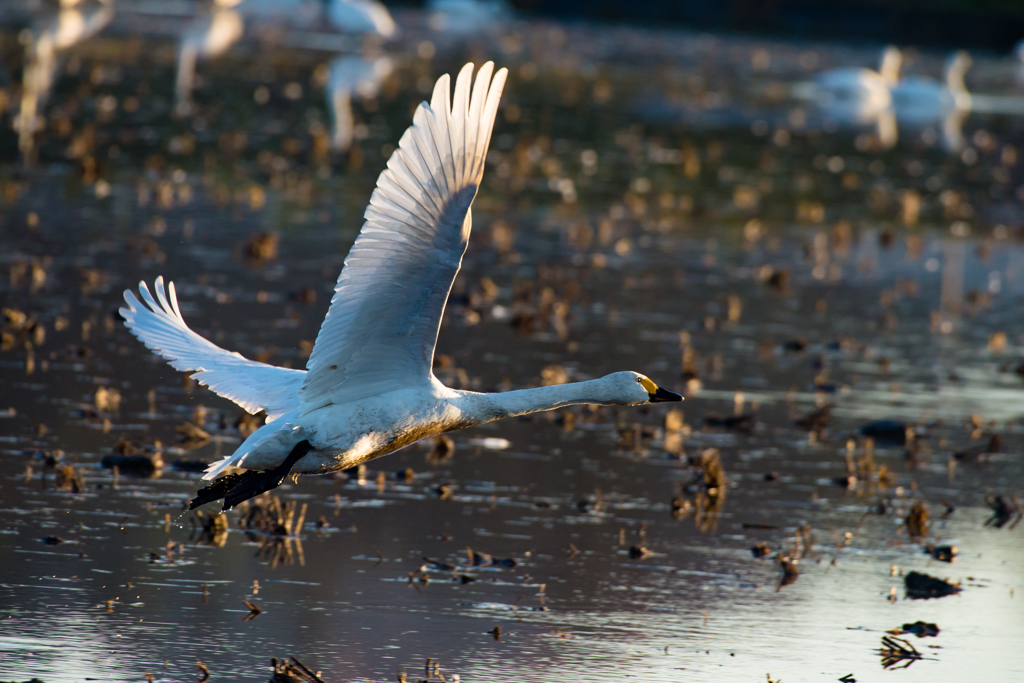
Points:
(382, 325)
(255, 386)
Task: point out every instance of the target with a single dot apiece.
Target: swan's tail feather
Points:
(215, 469)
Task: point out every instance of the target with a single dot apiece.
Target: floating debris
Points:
(261, 248)
(293, 671)
(484, 560)
(942, 553)
(442, 449)
(706, 489)
(267, 514)
(194, 466)
(142, 465)
(815, 421)
(887, 432)
(68, 478)
(254, 610)
(922, 586)
(246, 424)
(1003, 511)
(897, 653)
(921, 629)
(738, 423)
(191, 435)
(790, 566)
(275, 526)
(917, 520)
(209, 528)
(491, 443)
(639, 552)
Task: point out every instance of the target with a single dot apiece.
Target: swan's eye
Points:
(648, 385)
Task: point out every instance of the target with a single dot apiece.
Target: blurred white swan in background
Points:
(354, 16)
(71, 25)
(361, 16)
(369, 388)
(919, 98)
(857, 96)
(859, 91)
(348, 77)
(920, 101)
(210, 35)
(463, 17)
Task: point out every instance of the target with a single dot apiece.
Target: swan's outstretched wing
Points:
(254, 386)
(380, 331)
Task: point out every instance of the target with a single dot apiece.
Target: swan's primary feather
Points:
(252, 385)
(382, 325)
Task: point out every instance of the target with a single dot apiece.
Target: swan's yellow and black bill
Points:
(664, 395)
(657, 394)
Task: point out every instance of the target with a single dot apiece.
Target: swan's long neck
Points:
(889, 69)
(481, 408)
(956, 69)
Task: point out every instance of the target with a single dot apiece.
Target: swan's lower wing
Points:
(380, 331)
(252, 385)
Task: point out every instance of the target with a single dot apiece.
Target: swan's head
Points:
(632, 388)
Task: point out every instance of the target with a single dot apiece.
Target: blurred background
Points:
(805, 216)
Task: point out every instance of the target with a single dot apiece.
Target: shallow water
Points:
(641, 177)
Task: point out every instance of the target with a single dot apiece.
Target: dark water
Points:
(635, 215)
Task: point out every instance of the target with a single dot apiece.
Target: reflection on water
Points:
(844, 319)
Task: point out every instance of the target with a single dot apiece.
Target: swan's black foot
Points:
(235, 488)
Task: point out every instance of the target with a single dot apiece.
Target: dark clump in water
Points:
(917, 520)
(192, 466)
(886, 432)
(923, 586)
(209, 529)
(897, 653)
(942, 553)
(1003, 511)
(141, 465)
(477, 559)
(293, 671)
(921, 629)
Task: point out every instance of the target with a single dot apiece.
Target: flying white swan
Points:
(348, 77)
(369, 388)
(209, 36)
(71, 25)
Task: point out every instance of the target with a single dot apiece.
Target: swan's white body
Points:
(369, 389)
(917, 99)
(351, 77)
(858, 94)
